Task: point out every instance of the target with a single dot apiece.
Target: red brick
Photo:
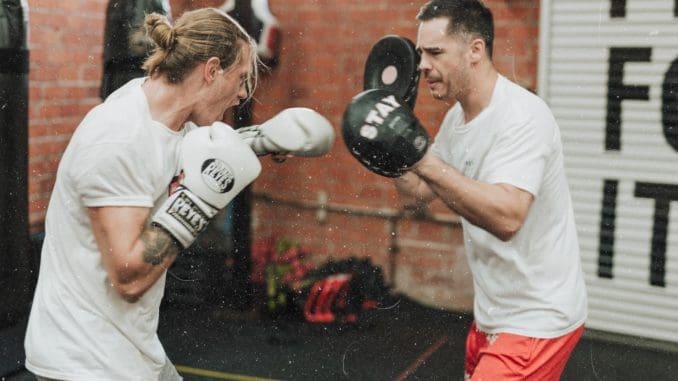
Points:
(323, 52)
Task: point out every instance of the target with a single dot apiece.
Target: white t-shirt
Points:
(532, 285)
(79, 327)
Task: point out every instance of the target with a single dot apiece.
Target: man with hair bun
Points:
(103, 263)
(137, 183)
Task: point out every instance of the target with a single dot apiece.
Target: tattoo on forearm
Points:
(157, 246)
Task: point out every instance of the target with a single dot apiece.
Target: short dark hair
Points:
(465, 16)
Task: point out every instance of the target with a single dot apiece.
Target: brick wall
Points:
(65, 42)
(333, 206)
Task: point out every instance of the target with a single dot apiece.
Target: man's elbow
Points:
(128, 288)
(507, 231)
(131, 295)
(128, 292)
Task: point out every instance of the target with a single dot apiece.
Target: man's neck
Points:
(480, 93)
(167, 103)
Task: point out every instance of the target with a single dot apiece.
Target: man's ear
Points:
(477, 47)
(211, 69)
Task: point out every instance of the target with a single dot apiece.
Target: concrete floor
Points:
(405, 341)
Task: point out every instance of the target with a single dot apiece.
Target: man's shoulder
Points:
(118, 119)
(516, 91)
(521, 101)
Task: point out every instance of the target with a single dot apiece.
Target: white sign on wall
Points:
(609, 71)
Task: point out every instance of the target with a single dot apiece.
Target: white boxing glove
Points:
(298, 131)
(216, 166)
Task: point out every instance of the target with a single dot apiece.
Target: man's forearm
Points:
(414, 192)
(158, 245)
(158, 250)
(498, 208)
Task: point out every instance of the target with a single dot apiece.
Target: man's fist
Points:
(216, 165)
(298, 131)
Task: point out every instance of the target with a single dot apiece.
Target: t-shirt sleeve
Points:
(113, 175)
(519, 156)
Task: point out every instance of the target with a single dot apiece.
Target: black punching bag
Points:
(256, 18)
(16, 286)
(126, 45)
(199, 277)
(229, 231)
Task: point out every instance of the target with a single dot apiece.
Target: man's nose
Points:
(424, 64)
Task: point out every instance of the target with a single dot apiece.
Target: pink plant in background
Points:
(281, 265)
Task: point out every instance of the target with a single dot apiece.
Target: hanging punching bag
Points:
(16, 286)
(229, 231)
(125, 42)
(257, 19)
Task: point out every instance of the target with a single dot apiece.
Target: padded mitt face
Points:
(393, 64)
(382, 133)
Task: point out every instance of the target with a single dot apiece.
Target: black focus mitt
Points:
(393, 64)
(383, 133)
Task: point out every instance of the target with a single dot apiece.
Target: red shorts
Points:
(506, 356)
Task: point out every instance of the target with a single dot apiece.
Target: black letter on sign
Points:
(617, 91)
(662, 194)
(618, 8)
(607, 220)
(675, 8)
(670, 105)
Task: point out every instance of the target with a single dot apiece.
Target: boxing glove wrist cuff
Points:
(184, 216)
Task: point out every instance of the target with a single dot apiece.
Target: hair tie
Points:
(172, 41)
